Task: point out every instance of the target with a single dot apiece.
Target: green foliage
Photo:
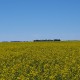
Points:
(40, 61)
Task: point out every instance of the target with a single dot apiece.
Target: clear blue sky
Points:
(39, 19)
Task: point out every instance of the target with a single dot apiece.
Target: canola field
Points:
(40, 60)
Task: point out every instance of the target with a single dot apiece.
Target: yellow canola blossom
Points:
(40, 60)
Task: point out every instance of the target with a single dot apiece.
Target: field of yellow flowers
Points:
(40, 60)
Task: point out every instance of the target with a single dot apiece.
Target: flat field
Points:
(40, 60)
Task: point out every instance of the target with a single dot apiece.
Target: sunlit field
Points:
(40, 60)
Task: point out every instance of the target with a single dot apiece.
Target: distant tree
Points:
(43, 40)
(48, 40)
(57, 40)
(16, 41)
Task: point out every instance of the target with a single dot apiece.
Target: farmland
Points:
(40, 60)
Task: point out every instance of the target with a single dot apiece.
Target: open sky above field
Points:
(39, 19)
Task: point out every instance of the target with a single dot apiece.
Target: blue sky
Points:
(39, 19)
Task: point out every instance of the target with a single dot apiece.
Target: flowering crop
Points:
(40, 61)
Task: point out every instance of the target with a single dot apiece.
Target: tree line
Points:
(43, 40)
(47, 40)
